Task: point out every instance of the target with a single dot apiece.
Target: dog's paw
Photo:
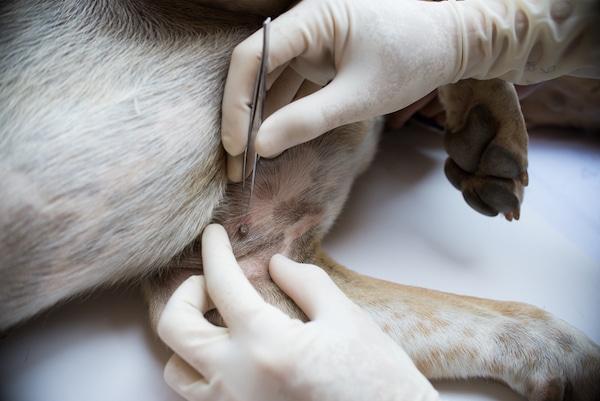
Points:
(486, 139)
(555, 363)
(488, 162)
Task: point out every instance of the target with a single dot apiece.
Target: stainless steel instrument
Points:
(260, 91)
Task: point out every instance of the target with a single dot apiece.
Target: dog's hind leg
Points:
(457, 337)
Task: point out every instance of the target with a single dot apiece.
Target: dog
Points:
(111, 166)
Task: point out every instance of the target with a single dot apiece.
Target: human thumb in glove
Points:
(333, 62)
(263, 354)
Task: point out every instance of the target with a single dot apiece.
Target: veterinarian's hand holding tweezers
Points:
(341, 354)
(342, 61)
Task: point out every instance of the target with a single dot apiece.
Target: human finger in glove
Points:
(263, 354)
(333, 62)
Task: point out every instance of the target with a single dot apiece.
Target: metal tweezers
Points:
(258, 100)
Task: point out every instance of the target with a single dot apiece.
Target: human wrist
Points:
(442, 48)
(448, 18)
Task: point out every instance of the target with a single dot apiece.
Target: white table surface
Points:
(404, 222)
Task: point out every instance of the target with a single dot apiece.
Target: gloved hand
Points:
(263, 354)
(332, 62)
(371, 57)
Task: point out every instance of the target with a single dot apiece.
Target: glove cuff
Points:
(526, 42)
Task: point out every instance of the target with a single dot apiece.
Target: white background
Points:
(404, 222)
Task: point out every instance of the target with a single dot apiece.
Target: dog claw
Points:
(515, 214)
(524, 178)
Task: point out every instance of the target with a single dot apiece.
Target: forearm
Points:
(525, 41)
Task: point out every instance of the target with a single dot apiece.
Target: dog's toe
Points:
(499, 161)
(461, 143)
(502, 194)
(486, 194)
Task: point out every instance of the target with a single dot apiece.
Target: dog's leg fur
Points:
(458, 337)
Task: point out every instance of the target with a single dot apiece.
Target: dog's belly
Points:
(111, 158)
(297, 197)
(110, 155)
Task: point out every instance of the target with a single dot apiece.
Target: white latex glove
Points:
(263, 354)
(376, 58)
(530, 41)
